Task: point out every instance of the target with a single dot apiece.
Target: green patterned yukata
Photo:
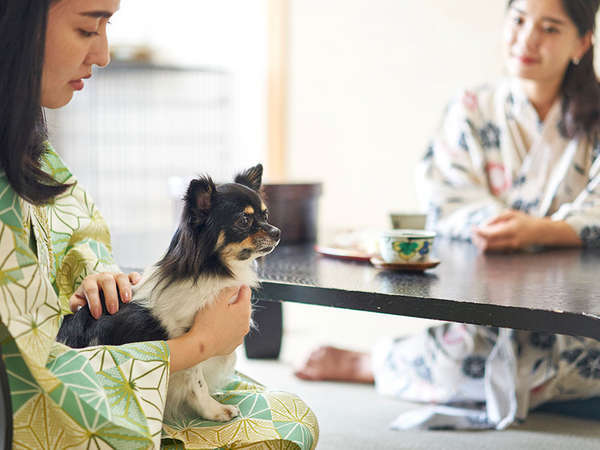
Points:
(102, 397)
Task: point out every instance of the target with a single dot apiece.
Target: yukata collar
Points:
(520, 105)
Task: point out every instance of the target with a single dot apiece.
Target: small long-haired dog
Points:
(223, 229)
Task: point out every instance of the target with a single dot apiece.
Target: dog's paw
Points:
(223, 413)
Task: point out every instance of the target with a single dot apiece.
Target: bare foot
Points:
(335, 364)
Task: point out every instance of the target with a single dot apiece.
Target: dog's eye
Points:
(244, 221)
(266, 215)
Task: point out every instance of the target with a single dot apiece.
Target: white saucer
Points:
(412, 266)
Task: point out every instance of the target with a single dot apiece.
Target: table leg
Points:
(265, 341)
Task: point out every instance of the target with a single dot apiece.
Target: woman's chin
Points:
(57, 101)
(523, 72)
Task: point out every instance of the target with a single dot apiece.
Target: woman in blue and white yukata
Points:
(514, 164)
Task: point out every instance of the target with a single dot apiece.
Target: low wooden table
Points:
(554, 291)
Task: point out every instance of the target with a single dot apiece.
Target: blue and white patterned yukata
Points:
(492, 153)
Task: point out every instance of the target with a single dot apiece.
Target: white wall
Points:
(229, 34)
(368, 82)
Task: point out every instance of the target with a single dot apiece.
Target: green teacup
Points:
(406, 246)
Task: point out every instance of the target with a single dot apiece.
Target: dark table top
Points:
(553, 290)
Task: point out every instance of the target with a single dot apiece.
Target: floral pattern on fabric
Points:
(495, 375)
(105, 396)
(492, 153)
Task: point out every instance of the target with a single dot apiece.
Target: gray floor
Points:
(355, 417)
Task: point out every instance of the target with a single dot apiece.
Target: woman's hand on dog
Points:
(109, 283)
(218, 329)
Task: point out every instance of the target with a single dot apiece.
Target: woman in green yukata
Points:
(55, 256)
(514, 165)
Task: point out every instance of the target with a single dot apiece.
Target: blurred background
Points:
(346, 93)
(343, 92)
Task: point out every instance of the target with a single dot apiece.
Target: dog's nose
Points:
(275, 233)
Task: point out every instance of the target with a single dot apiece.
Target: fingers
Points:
(77, 301)
(495, 237)
(124, 286)
(113, 285)
(495, 243)
(502, 217)
(500, 245)
(134, 278)
(503, 227)
(243, 301)
(498, 231)
(92, 295)
(244, 295)
(229, 295)
(479, 242)
(109, 288)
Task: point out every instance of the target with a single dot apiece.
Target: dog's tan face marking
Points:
(254, 245)
(263, 207)
(239, 250)
(249, 210)
(220, 240)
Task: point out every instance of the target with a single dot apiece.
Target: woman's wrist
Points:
(556, 233)
(187, 351)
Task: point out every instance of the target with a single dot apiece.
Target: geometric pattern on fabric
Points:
(268, 419)
(102, 397)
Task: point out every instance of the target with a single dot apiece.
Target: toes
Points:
(227, 413)
(306, 373)
(301, 374)
(318, 355)
(233, 411)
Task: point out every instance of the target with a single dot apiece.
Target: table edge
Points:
(560, 322)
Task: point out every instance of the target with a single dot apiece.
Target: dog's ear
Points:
(251, 178)
(199, 198)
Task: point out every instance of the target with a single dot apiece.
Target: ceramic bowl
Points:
(406, 246)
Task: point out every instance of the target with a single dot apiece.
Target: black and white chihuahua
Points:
(223, 230)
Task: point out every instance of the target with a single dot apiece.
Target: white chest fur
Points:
(176, 306)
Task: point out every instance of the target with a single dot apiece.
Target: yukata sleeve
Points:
(97, 397)
(583, 214)
(80, 237)
(452, 180)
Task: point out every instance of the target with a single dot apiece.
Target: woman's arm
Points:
(89, 388)
(218, 329)
(453, 180)
(583, 214)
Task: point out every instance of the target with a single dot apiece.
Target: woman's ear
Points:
(586, 42)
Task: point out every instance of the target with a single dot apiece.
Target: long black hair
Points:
(22, 125)
(580, 88)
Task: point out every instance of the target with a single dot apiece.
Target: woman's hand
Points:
(515, 230)
(510, 230)
(218, 329)
(109, 283)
